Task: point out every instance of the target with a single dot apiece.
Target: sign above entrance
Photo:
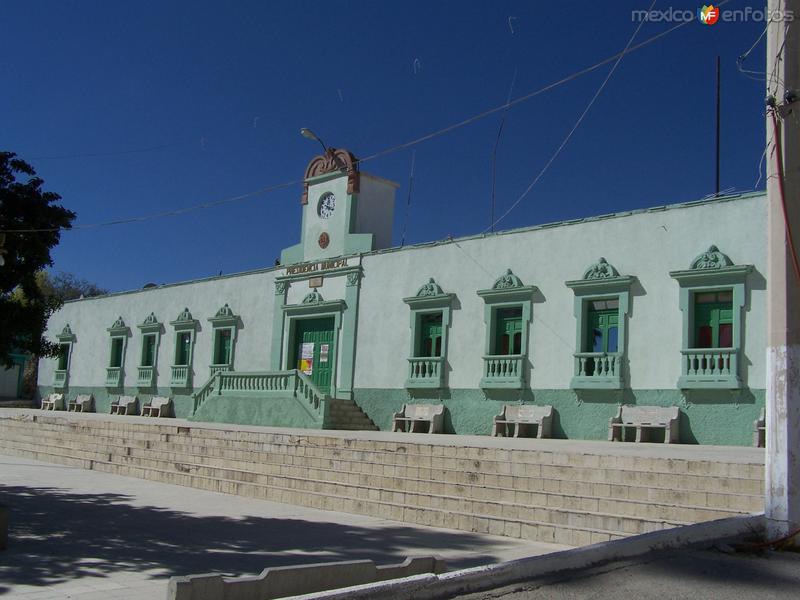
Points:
(323, 265)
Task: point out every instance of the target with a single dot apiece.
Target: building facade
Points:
(664, 306)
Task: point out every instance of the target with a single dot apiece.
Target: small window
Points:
(148, 350)
(116, 352)
(713, 320)
(222, 349)
(430, 331)
(183, 345)
(603, 326)
(508, 331)
(63, 356)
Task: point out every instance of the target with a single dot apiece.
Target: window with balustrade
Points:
(430, 321)
(115, 372)
(601, 306)
(711, 298)
(507, 315)
(147, 372)
(224, 325)
(65, 340)
(181, 369)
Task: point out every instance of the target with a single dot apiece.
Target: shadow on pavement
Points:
(56, 535)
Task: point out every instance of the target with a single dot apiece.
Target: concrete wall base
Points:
(280, 582)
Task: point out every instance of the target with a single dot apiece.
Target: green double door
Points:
(314, 350)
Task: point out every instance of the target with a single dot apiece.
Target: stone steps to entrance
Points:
(529, 486)
(347, 415)
(610, 472)
(558, 526)
(523, 488)
(495, 502)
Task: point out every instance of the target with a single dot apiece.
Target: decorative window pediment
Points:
(313, 297)
(711, 267)
(507, 288)
(150, 324)
(600, 277)
(119, 328)
(601, 306)
(224, 317)
(184, 320)
(429, 295)
(66, 334)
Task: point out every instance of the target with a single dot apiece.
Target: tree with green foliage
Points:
(25, 206)
(66, 286)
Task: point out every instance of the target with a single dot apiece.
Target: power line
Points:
(386, 151)
(169, 213)
(574, 127)
(102, 154)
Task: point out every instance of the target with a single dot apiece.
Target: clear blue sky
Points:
(223, 88)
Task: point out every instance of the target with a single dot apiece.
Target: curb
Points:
(477, 579)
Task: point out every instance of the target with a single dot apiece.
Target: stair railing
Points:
(306, 390)
(207, 390)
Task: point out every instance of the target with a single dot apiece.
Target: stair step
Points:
(540, 494)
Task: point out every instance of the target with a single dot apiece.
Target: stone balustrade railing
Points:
(292, 382)
(598, 364)
(113, 376)
(179, 376)
(144, 377)
(710, 362)
(425, 370)
(502, 366)
(60, 379)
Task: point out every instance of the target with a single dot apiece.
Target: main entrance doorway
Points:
(314, 351)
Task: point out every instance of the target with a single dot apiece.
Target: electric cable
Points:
(386, 151)
(574, 127)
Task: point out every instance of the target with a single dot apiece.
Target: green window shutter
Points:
(602, 330)
(63, 357)
(183, 346)
(713, 320)
(430, 335)
(148, 350)
(222, 354)
(116, 352)
(508, 331)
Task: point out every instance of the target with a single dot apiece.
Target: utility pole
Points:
(782, 501)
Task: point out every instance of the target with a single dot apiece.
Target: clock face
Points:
(326, 206)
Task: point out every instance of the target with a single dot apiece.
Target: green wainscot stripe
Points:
(717, 417)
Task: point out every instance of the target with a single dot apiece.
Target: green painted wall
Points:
(707, 417)
(718, 417)
(273, 412)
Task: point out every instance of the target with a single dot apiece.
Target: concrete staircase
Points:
(347, 415)
(561, 491)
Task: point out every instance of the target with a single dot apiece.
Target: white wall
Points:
(647, 245)
(250, 296)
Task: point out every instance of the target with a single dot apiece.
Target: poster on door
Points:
(306, 362)
(323, 352)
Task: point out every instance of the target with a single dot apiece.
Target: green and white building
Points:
(662, 306)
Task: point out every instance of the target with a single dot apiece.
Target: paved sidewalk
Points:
(89, 535)
(685, 574)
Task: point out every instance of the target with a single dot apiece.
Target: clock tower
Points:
(344, 211)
